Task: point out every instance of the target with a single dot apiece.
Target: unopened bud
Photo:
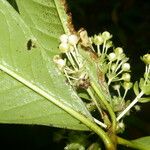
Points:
(98, 40)
(106, 35)
(73, 39)
(112, 56)
(126, 77)
(126, 67)
(127, 85)
(64, 47)
(118, 50)
(146, 59)
(64, 38)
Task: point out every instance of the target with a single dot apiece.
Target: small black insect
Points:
(31, 44)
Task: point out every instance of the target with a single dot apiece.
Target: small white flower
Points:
(113, 67)
(126, 77)
(127, 85)
(59, 61)
(146, 58)
(126, 67)
(137, 107)
(112, 56)
(73, 39)
(109, 44)
(106, 35)
(64, 38)
(116, 87)
(118, 50)
(64, 47)
(98, 40)
(121, 125)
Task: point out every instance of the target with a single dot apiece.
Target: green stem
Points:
(128, 143)
(86, 121)
(71, 60)
(123, 113)
(98, 50)
(147, 71)
(108, 107)
(104, 47)
(95, 101)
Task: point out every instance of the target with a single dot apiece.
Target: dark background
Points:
(129, 22)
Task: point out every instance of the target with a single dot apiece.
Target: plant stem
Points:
(108, 107)
(95, 101)
(71, 60)
(147, 71)
(85, 120)
(100, 123)
(130, 106)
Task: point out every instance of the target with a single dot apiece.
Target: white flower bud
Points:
(60, 62)
(109, 44)
(64, 47)
(118, 50)
(137, 107)
(146, 58)
(121, 125)
(126, 67)
(112, 56)
(116, 87)
(126, 77)
(64, 38)
(106, 35)
(113, 67)
(98, 40)
(73, 39)
(127, 85)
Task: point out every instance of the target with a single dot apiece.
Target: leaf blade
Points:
(19, 61)
(143, 143)
(46, 19)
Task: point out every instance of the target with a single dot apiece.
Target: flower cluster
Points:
(102, 41)
(114, 61)
(111, 61)
(73, 64)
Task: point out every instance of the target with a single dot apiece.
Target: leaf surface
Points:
(143, 143)
(33, 91)
(47, 20)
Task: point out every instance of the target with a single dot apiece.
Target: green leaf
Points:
(33, 91)
(146, 89)
(46, 19)
(142, 143)
(136, 88)
(84, 95)
(144, 100)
